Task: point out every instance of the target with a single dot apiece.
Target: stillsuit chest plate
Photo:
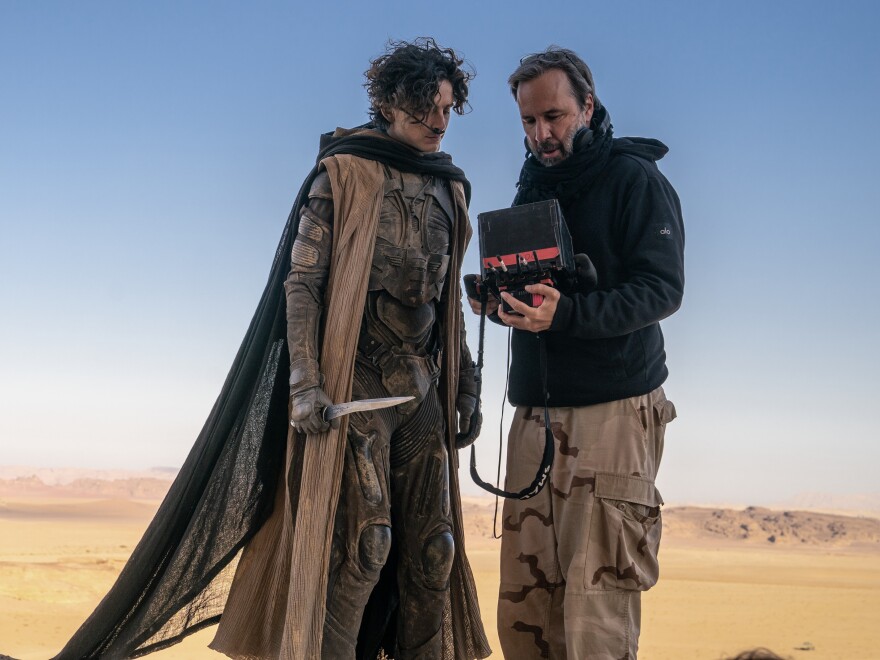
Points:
(411, 256)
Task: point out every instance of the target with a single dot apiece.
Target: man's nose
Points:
(542, 130)
(437, 120)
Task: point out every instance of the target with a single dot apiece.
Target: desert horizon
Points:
(803, 582)
(32, 479)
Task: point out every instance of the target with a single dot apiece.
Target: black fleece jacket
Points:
(605, 344)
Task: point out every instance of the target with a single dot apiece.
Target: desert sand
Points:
(812, 591)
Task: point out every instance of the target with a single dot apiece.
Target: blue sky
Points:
(149, 154)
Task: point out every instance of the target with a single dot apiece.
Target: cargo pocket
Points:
(664, 410)
(624, 534)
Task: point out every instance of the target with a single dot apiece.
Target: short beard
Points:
(566, 147)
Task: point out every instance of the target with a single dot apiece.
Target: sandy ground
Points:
(717, 595)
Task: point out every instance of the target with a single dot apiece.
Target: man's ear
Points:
(589, 106)
(387, 113)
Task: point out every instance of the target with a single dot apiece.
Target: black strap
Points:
(543, 473)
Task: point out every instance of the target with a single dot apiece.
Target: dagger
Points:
(340, 409)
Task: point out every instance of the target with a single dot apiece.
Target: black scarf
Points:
(574, 175)
(367, 142)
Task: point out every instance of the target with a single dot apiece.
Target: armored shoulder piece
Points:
(321, 188)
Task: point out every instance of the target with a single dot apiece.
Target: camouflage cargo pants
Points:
(576, 557)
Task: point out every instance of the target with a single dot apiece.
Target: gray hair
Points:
(579, 75)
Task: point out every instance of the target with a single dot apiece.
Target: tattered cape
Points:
(177, 579)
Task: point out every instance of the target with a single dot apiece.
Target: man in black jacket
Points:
(575, 558)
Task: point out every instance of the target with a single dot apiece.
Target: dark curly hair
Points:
(408, 77)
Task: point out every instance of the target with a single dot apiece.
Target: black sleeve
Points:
(650, 233)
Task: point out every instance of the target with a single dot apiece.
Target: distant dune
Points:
(750, 525)
(766, 526)
(62, 476)
(860, 503)
(142, 488)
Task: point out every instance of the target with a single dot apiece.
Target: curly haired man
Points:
(344, 541)
(374, 277)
